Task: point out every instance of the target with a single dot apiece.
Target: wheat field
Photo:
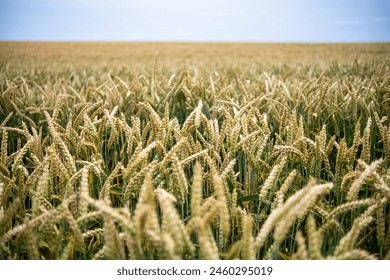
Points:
(194, 151)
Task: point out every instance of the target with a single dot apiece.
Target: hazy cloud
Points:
(195, 20)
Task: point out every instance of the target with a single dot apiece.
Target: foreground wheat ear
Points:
(241, 158)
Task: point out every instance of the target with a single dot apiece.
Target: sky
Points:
(196, 20)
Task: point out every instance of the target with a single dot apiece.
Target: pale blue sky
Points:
(196, 20)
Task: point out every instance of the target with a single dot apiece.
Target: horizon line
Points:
(194, 41)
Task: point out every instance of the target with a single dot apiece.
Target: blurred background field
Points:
(125, 54)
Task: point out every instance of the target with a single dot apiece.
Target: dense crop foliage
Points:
(219, 151)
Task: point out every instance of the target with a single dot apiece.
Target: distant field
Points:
(125, 54)
(194, 151)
